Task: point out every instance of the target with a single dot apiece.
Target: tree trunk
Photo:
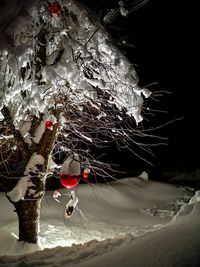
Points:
(28, 212)
(28, 209)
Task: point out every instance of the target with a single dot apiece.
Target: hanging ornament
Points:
(49, 124)
(54, 9)
(71, 205)
(68, 181)
(70, 171)
(86, 173)
(56, 194)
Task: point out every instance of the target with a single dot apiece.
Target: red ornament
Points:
(86, 173)
(68, 181)
(54, 9)
(49, 124)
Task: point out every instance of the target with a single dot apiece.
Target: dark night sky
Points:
(162, 51)
(161, 34)
(159, 42)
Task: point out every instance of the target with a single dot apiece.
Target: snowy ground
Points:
(130, 222)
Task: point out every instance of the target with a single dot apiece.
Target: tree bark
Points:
(29, 217)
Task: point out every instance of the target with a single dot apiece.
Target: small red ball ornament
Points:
(54, 9)
(86, 173)
(68, 181)
(49, 124)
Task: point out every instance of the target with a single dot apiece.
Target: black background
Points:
(161, 33)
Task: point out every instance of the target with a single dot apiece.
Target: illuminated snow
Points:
(35, 160)
(71, 166)
(111, 225)
(24, 183)
(19, 191)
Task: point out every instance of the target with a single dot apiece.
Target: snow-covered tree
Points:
(63, 83)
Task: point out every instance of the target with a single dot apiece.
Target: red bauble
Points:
(68, 181)
(49, 124)
(86, 173)
(54, 9)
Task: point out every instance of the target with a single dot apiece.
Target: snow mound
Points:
(188, 210)
(10, 244)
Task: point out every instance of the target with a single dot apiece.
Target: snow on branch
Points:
(124, 8)
(77, 61)
(47, 123)
(19, 191)
(25, 184)
(33, 162)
